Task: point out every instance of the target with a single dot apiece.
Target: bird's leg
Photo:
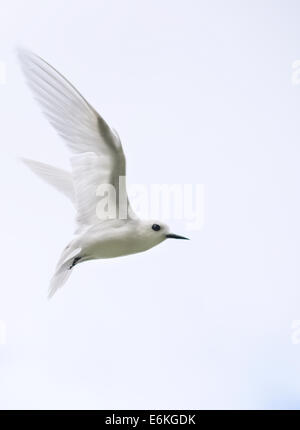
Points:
(75, 261)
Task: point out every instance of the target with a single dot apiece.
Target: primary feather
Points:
(99, 154)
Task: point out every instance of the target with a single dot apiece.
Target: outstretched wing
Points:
(98, 154)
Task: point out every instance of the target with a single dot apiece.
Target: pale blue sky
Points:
(200, 92)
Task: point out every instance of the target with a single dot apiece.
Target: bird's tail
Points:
(67, 261)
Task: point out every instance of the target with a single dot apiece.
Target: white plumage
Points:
(97, 159)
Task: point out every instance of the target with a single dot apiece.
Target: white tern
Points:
(98, 159)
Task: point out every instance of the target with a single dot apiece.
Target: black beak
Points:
(175, 236)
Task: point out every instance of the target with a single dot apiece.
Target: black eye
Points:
(156, 227)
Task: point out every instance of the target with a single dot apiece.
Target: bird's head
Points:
(156, 232)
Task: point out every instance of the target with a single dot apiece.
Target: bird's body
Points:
(107, 227)
(115, 238)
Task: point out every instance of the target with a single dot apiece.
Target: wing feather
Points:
(99, 154)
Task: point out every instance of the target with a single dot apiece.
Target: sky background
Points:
(201, 92)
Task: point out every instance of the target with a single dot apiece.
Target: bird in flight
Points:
(97, 161)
